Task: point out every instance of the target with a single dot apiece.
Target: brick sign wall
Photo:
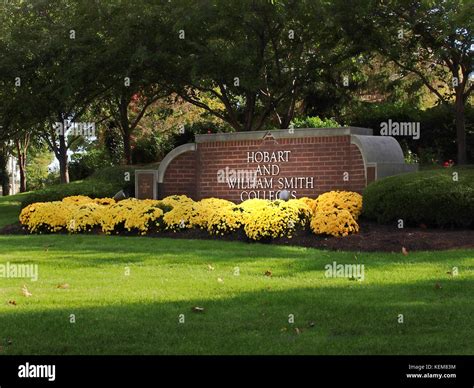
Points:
(304, 162)
(181, 176)
(304, 167)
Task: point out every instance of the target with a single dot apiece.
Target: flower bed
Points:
(334, 213)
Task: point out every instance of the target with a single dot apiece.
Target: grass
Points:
(10, 207)
(245, 314)
(139, 313)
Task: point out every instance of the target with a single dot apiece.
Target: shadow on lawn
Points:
(357, 319)
(84, 250)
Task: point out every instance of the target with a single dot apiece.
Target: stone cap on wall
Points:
(283, 134)
(383, 154)
(379, 149)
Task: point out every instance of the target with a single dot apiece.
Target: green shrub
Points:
(314, 122)
(88, 187)
(146, 150)
(437, 128)
(84, 164)
(430, 197)
(177, 138)
(116, 175)
(103, 183)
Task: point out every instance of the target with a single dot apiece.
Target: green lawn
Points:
(245, 314)
(10, 207)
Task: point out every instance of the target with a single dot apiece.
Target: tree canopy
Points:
(249, 64)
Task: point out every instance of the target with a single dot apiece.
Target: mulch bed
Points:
(387, 238)
(372, 237)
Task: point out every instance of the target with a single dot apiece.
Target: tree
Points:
(430, 39)
(58, 61)
(37, 168)
(139, 66)
(8, 78)
(254, 57)
(126, 111)
(21, 147)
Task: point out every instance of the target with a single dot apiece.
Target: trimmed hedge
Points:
(429, 197)
(116, 175)
(102, 184)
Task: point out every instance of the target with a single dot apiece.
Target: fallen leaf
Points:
(25, 292)
(210, 267)
(311, 324)
(298, 331)
(220, 280)
(404, 251)
(63, 286)
(268, 273)
(198, 309)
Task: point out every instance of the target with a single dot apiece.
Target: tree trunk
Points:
(290, 112)
(22, 165)
(4, 180)
(249, 112)
(5, 184)
(127, 148)
(63, 160)
(461, 130)
(125, 128)
(64, 169)
(288, 116)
